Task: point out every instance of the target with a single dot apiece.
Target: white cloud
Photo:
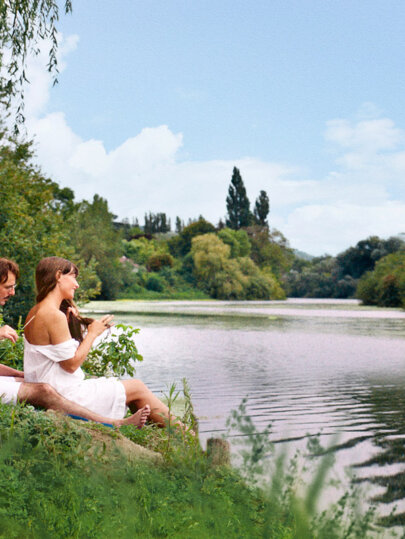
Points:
(368, 136)
(37, 92)
(362, 195)
(331, 228)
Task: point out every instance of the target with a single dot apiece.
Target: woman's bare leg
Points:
(47, 397)
(138, 396)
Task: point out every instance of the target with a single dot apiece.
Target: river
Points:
(307, 367)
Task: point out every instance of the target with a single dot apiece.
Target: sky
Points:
(158, 101)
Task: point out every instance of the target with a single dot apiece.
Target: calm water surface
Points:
(305, 366)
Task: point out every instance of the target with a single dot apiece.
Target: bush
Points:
(159, 260)
(385, 286)
(155, 283)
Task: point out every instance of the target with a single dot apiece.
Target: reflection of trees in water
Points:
(386, 405)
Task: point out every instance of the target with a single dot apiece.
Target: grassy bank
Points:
(61, 478)
(53, 485)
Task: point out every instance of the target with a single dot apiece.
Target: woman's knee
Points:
(135, 388)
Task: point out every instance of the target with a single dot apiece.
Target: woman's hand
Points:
(97, 327)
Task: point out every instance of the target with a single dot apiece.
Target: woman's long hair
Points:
(77, 323)
(45, 279)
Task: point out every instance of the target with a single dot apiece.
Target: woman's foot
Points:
(138, 419)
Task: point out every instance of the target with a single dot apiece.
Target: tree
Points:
(237, 240)
(156, 222)
(385, 285)
(179, 225)
(355, 261)
(181, 244)
(230, 278)
(24, 25)
(237, 203)
(96, 238)
(270, 249)
(33, 223)
(262, 209)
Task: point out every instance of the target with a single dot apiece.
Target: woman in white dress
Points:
(51, 354)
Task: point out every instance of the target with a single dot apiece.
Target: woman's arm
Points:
(59, 332)
(8, 371)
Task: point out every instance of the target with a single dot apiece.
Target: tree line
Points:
(242, 257)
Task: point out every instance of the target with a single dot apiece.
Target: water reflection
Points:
(342, 373)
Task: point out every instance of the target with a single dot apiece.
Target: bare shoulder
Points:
(46, 325)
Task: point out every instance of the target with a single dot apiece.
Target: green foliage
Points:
(51, 463)
(113, 497)
(115, 354)
(261, 209)
(24, 26)
(31, 221)
(95, 238)
(270, 249)
(338, 277)
(158, 261)
(223, 277)
(12, 354)
(237, 240)
(355, 261)
(257, 444)
(237, 203)
(181, 244)
(141, 249)
(154, 223)
(155, 283)
(385, 286)
(315, 279)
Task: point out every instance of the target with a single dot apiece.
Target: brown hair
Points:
(77, 323)
(45, 278)
(7, 266)
(45, 275)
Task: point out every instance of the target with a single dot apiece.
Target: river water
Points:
(307, 367)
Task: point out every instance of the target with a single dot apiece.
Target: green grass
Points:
(51, 487)
(54, 484)
(144, 294)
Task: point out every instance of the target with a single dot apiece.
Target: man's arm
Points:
(7, 332)
(8, 371)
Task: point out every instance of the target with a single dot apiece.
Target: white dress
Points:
(104, 396)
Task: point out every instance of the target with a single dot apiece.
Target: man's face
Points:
(7, 289)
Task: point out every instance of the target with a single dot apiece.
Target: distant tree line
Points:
(370, 271)
(241, 257)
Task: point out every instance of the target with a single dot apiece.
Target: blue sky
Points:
(158, 101)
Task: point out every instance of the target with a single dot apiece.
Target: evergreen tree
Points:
(179, 225)
(262, 209)
(237, 203)
(156, 222)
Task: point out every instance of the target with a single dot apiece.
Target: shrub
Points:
(385, 286)
(159, 260)
(155, 283)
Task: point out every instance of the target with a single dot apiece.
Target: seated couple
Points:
(52, 376)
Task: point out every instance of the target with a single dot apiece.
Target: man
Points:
(13, 389)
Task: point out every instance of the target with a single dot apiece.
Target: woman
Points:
(51, 354)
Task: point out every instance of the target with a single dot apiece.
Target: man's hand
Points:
(7, 332)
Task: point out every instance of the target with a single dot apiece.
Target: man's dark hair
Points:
(7, 266)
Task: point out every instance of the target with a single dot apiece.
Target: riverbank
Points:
(290, 307)
(62, 478)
